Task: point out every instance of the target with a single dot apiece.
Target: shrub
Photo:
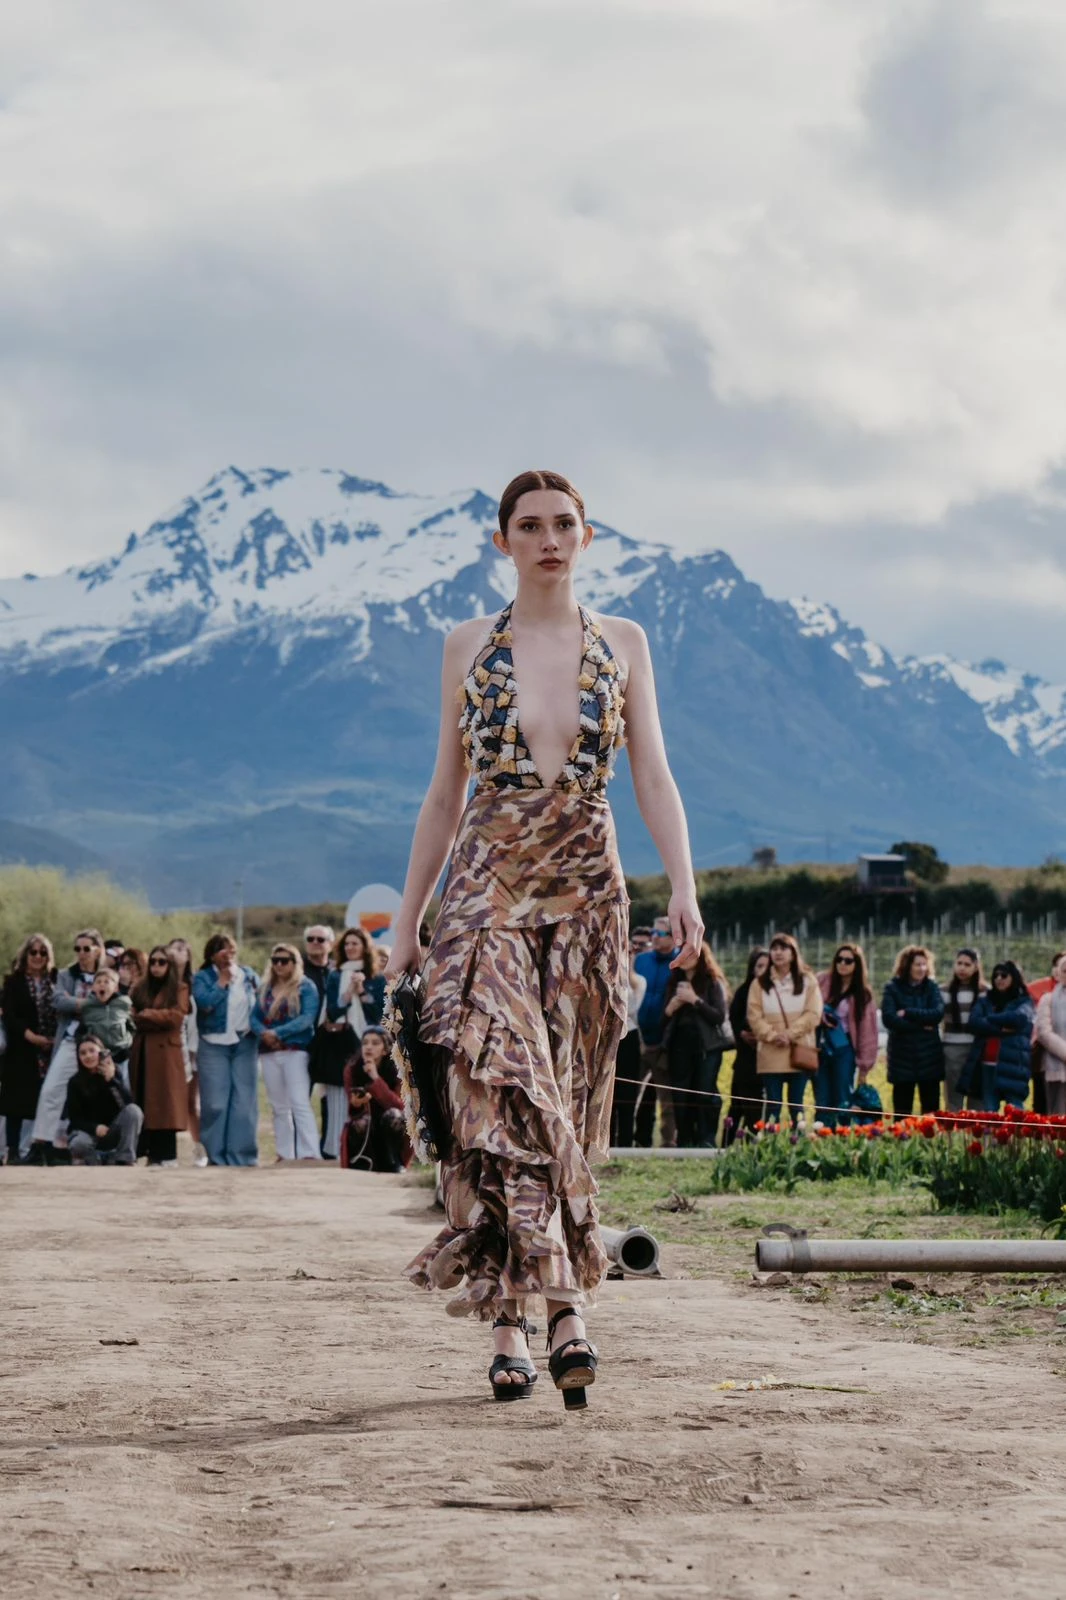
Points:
(46, 900)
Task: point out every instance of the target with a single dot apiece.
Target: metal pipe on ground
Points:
(639, 1151)
(634, 1250)
(796, 1253)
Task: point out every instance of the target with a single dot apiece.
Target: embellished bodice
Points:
(497, 753)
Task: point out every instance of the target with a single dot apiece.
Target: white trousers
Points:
(336, 1116)
(53, 1096)
(288, 1087)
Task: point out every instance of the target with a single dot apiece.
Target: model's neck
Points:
(536, 605)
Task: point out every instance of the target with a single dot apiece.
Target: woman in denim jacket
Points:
(224, 993)
(283, 1020)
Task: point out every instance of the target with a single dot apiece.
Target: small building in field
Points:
(883, 875)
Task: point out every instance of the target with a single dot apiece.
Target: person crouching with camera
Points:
(104, 1122)
(374, 1138)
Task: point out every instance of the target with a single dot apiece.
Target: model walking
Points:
(526, 975)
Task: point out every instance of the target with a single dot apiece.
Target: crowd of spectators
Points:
(109, 1058)
(809, 1042)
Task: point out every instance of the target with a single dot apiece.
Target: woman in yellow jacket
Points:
(784, 1010)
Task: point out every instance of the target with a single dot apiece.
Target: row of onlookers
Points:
(114, 1055)
(987, 1041)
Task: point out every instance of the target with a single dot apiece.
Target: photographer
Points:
(374, 1137)
(104, 1122)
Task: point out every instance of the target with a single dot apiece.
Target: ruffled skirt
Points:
(525, 990)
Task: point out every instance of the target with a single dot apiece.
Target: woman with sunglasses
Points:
(157, 1063)
(848, 996)
(283, 1020)
(224, 993)
(73, 987)
(29, 1022)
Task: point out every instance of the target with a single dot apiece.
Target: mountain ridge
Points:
(318, 599)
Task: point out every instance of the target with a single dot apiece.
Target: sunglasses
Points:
(845, 961)
(84, 949)
(156, 961)
(315, 938)
(281, 961)
(661, 933)
(35, 950)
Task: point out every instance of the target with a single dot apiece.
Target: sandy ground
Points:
(292, 1419)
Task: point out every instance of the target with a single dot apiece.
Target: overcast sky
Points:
(782, 276)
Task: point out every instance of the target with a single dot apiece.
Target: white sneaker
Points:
(199, 1156)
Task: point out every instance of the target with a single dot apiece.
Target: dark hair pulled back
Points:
(528, 483)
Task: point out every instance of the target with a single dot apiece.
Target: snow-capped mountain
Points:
(1026, 711)
(250, 689)
(307, 548)
(1023, 710)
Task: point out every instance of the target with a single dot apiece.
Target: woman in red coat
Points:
(374, 1137)
(157, 1061)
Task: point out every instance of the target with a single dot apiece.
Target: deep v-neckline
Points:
(506, 635)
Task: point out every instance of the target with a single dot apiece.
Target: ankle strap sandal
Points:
(521, 1364)
(573, 1365)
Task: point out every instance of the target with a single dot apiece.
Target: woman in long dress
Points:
(526, 973)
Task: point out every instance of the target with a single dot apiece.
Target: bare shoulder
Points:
(468, 636)
(627, 640)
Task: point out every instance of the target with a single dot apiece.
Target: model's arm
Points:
(656, 791)
(442, 809)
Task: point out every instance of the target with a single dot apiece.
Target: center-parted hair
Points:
(529, 483)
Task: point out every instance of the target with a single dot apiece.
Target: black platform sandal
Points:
(513, 1391)
(572, 1369)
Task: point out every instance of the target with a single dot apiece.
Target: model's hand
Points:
(686, 925)
(406, 955)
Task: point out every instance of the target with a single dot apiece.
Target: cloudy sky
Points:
(783, 276)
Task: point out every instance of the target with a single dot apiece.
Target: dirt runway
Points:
(217, 1384)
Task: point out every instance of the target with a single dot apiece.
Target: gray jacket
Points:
(65, 1000)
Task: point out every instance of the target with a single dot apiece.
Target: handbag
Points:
(801, 1057)
(422, 1068)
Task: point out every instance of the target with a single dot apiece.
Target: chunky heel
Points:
(522, 1364)
(573, 1365)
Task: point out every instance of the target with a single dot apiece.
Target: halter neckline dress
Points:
(526, 993)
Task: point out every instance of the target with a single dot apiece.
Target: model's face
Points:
(919, 969)
(965, 968)
(544, 537)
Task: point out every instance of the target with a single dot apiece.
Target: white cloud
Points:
(772, 273)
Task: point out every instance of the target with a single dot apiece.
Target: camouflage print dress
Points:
(526, 989)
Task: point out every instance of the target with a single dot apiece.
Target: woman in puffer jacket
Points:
(911, 1009)
(1002, 1022)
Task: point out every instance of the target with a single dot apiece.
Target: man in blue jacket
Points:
(654, 966)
